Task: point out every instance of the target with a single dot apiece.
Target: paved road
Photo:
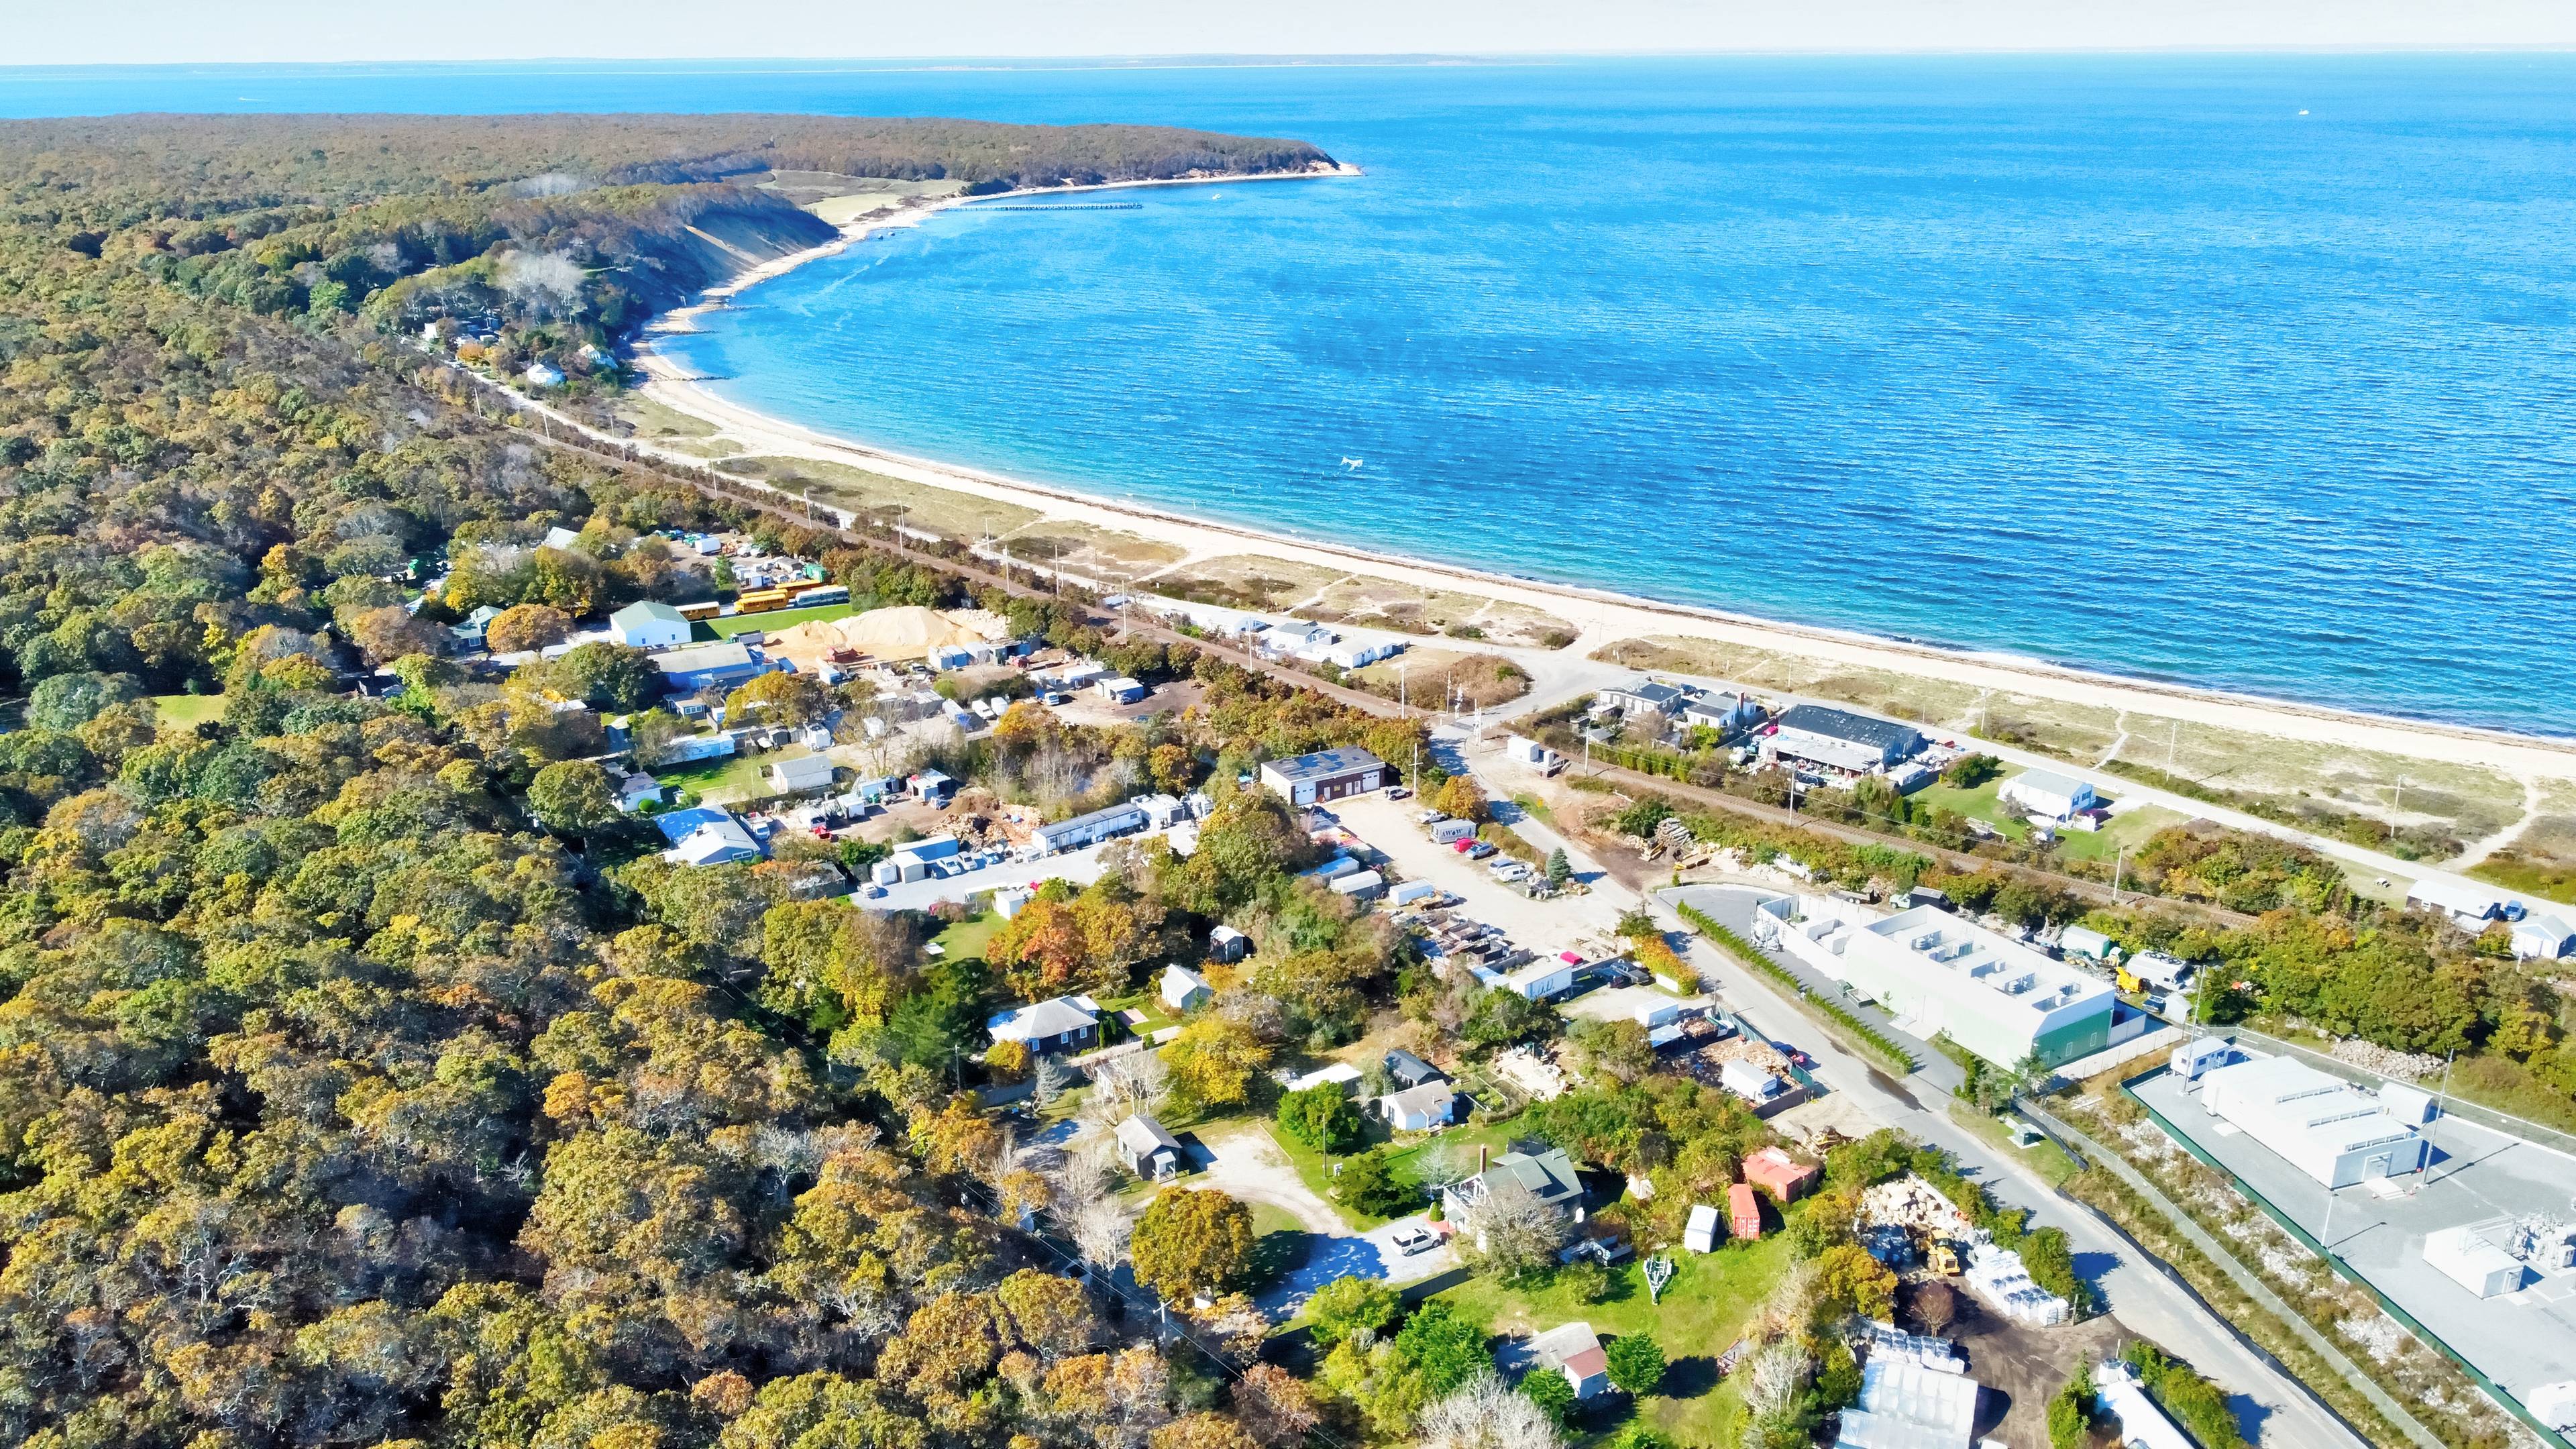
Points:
(2275, 1411)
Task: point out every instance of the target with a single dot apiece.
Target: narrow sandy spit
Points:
(1601, 615)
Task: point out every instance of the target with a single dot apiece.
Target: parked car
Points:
(1430, 817)
(1511, 870)
(1478, 850)
(1399, 792)
(1415, 1239)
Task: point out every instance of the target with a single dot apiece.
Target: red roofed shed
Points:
(1779, 1174)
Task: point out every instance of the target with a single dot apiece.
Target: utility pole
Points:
(2117, 866)
(2172, 741)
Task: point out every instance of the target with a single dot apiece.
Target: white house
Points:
(2049, 795)
(1647, 696)
(1184, 989)
(1549, 1177)
(543, 374)
(2542, 938)
(2470, 907)
(637, 791)
(650, 624)
(717, 842)
(1063, 1023)
(1574, 1350)
(1419, 1109)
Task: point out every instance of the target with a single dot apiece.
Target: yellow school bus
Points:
(761, 601)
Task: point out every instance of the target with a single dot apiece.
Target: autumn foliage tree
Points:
(1192, 1241)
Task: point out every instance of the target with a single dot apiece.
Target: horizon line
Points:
(1235, 60)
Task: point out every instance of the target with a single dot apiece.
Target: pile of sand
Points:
(907, 632)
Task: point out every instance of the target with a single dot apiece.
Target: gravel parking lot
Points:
(1544, 926)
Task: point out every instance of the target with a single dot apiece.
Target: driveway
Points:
(1246, 1165)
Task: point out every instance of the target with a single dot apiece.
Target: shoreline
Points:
(1600, 616)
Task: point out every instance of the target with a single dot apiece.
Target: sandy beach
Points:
(1601, 617)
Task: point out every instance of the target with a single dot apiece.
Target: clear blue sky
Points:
(72, 32)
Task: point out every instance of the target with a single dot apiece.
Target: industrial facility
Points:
(2335, 1132)
(1938, 973)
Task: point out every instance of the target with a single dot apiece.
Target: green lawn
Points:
(187, 709)
(728, 625)
(725, 781)
(2125, 832)
(1704, 1309)
(1977, 804)
(1316, 1169)
(967, 937)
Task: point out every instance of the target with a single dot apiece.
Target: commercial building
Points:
(1837, 739)
(1084, 830)
(1060, 1024)
(1119, 689)
(1573, 1350)
(2324, 1126)
(1994, 996)
(651, 624)
(1906, 1404)
(1324, 775)
(2049, 795)
(719, 666)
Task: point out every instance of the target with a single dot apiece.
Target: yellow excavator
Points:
(1944, 1258)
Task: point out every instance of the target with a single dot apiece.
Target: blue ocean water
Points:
(2247, 372)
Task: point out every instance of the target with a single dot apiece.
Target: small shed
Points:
(1364, 885)
(1225, 943)
(1184, 989)
(1147, 1149)
(2084, 941)
(1410, 1070)
(1704, 1232)
(1574, 1350)
(1744, 1212)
